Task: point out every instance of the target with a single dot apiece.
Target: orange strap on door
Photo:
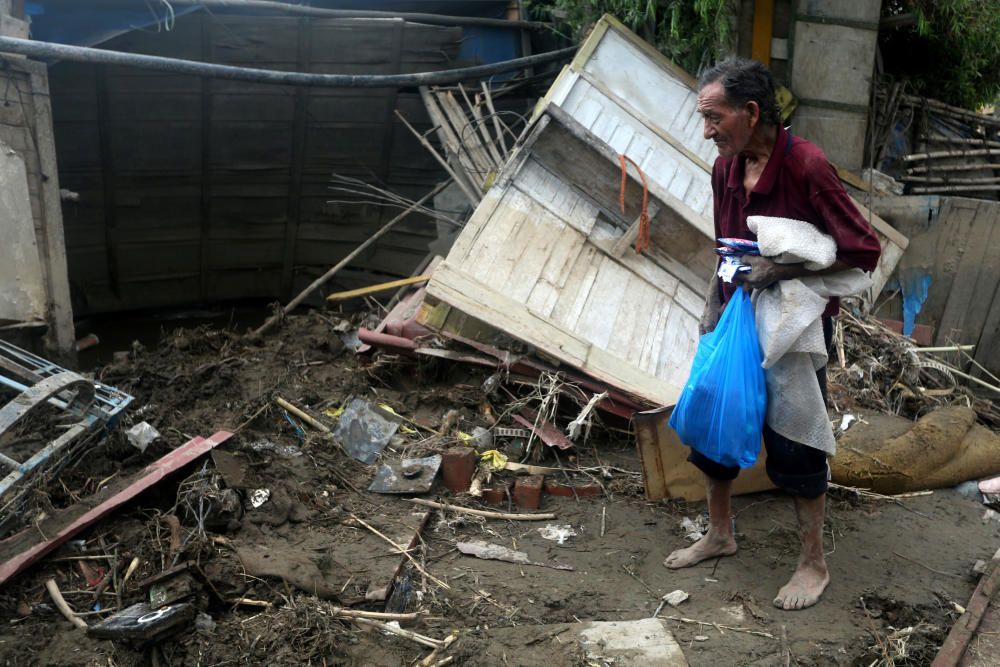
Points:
(642, 238)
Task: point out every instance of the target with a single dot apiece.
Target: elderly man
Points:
(763, 170)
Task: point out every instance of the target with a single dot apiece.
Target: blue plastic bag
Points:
(722, 408)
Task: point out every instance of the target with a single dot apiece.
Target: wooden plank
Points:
(205, 208)
(389, 112)
(480, 218)
(535, 249)
(490, 259)
(596, 321)
(478, 300)
(110, 206)
(679, 343)
(296, 158)
(962, 295)
(549, 287)
(631, 327)
(647, 122)
(650, 356)
(988, 347)
(986, 288)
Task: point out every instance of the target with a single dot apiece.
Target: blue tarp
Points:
(95, 21)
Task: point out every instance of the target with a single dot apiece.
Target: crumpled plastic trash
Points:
(695, 529)
(258, 497)
(558, 534)
(141, 435)
(493, 458)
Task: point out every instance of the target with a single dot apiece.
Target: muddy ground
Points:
(897, 568)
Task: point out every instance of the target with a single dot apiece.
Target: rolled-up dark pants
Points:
(799, 469)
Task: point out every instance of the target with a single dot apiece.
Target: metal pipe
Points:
(37, 49)
(320, 12)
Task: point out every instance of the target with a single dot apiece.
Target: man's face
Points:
(730, 128)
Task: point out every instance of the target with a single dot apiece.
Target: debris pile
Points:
(877, 369)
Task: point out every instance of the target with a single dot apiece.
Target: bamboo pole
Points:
(924, 169)
(482, 513)
(449, 139)
(484, 131)
(954, 188)
(944, 180)
(375, 289)
(933, 155)
(941, 139)
(316, 284)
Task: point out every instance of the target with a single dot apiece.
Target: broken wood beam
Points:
(20, 551)
(319, 282)
(483, 513)
(955, 644)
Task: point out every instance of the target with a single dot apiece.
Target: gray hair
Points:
(745, 80)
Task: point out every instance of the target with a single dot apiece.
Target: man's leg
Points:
(811, 576)
(801, 471)
(719, 540)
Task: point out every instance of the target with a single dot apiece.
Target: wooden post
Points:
(294, 215)
(62, 334)
(763, 29)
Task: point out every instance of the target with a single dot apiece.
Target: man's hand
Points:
(765, 273)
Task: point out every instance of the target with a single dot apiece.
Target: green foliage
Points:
(952, 53)
(692, 33)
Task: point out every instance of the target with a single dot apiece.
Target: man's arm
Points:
(765, 272)
(713, 307)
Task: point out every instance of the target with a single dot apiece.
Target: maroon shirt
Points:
(798, 182)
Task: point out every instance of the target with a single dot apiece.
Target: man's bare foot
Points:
(711, 545)
(804, 588)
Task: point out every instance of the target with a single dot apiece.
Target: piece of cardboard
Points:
(666, 471)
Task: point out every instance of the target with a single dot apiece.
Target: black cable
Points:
(105, 57)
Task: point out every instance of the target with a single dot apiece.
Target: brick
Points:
(495, 495)
(528, 491)
(457, 468)
(566, 491)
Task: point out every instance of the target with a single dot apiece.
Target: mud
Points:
(893, 565)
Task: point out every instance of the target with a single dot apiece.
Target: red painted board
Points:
(150, 475)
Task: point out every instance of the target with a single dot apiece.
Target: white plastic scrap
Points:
(846, 421)
(141, 435)
(258, 497)
(559, 534)
(694, 529)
